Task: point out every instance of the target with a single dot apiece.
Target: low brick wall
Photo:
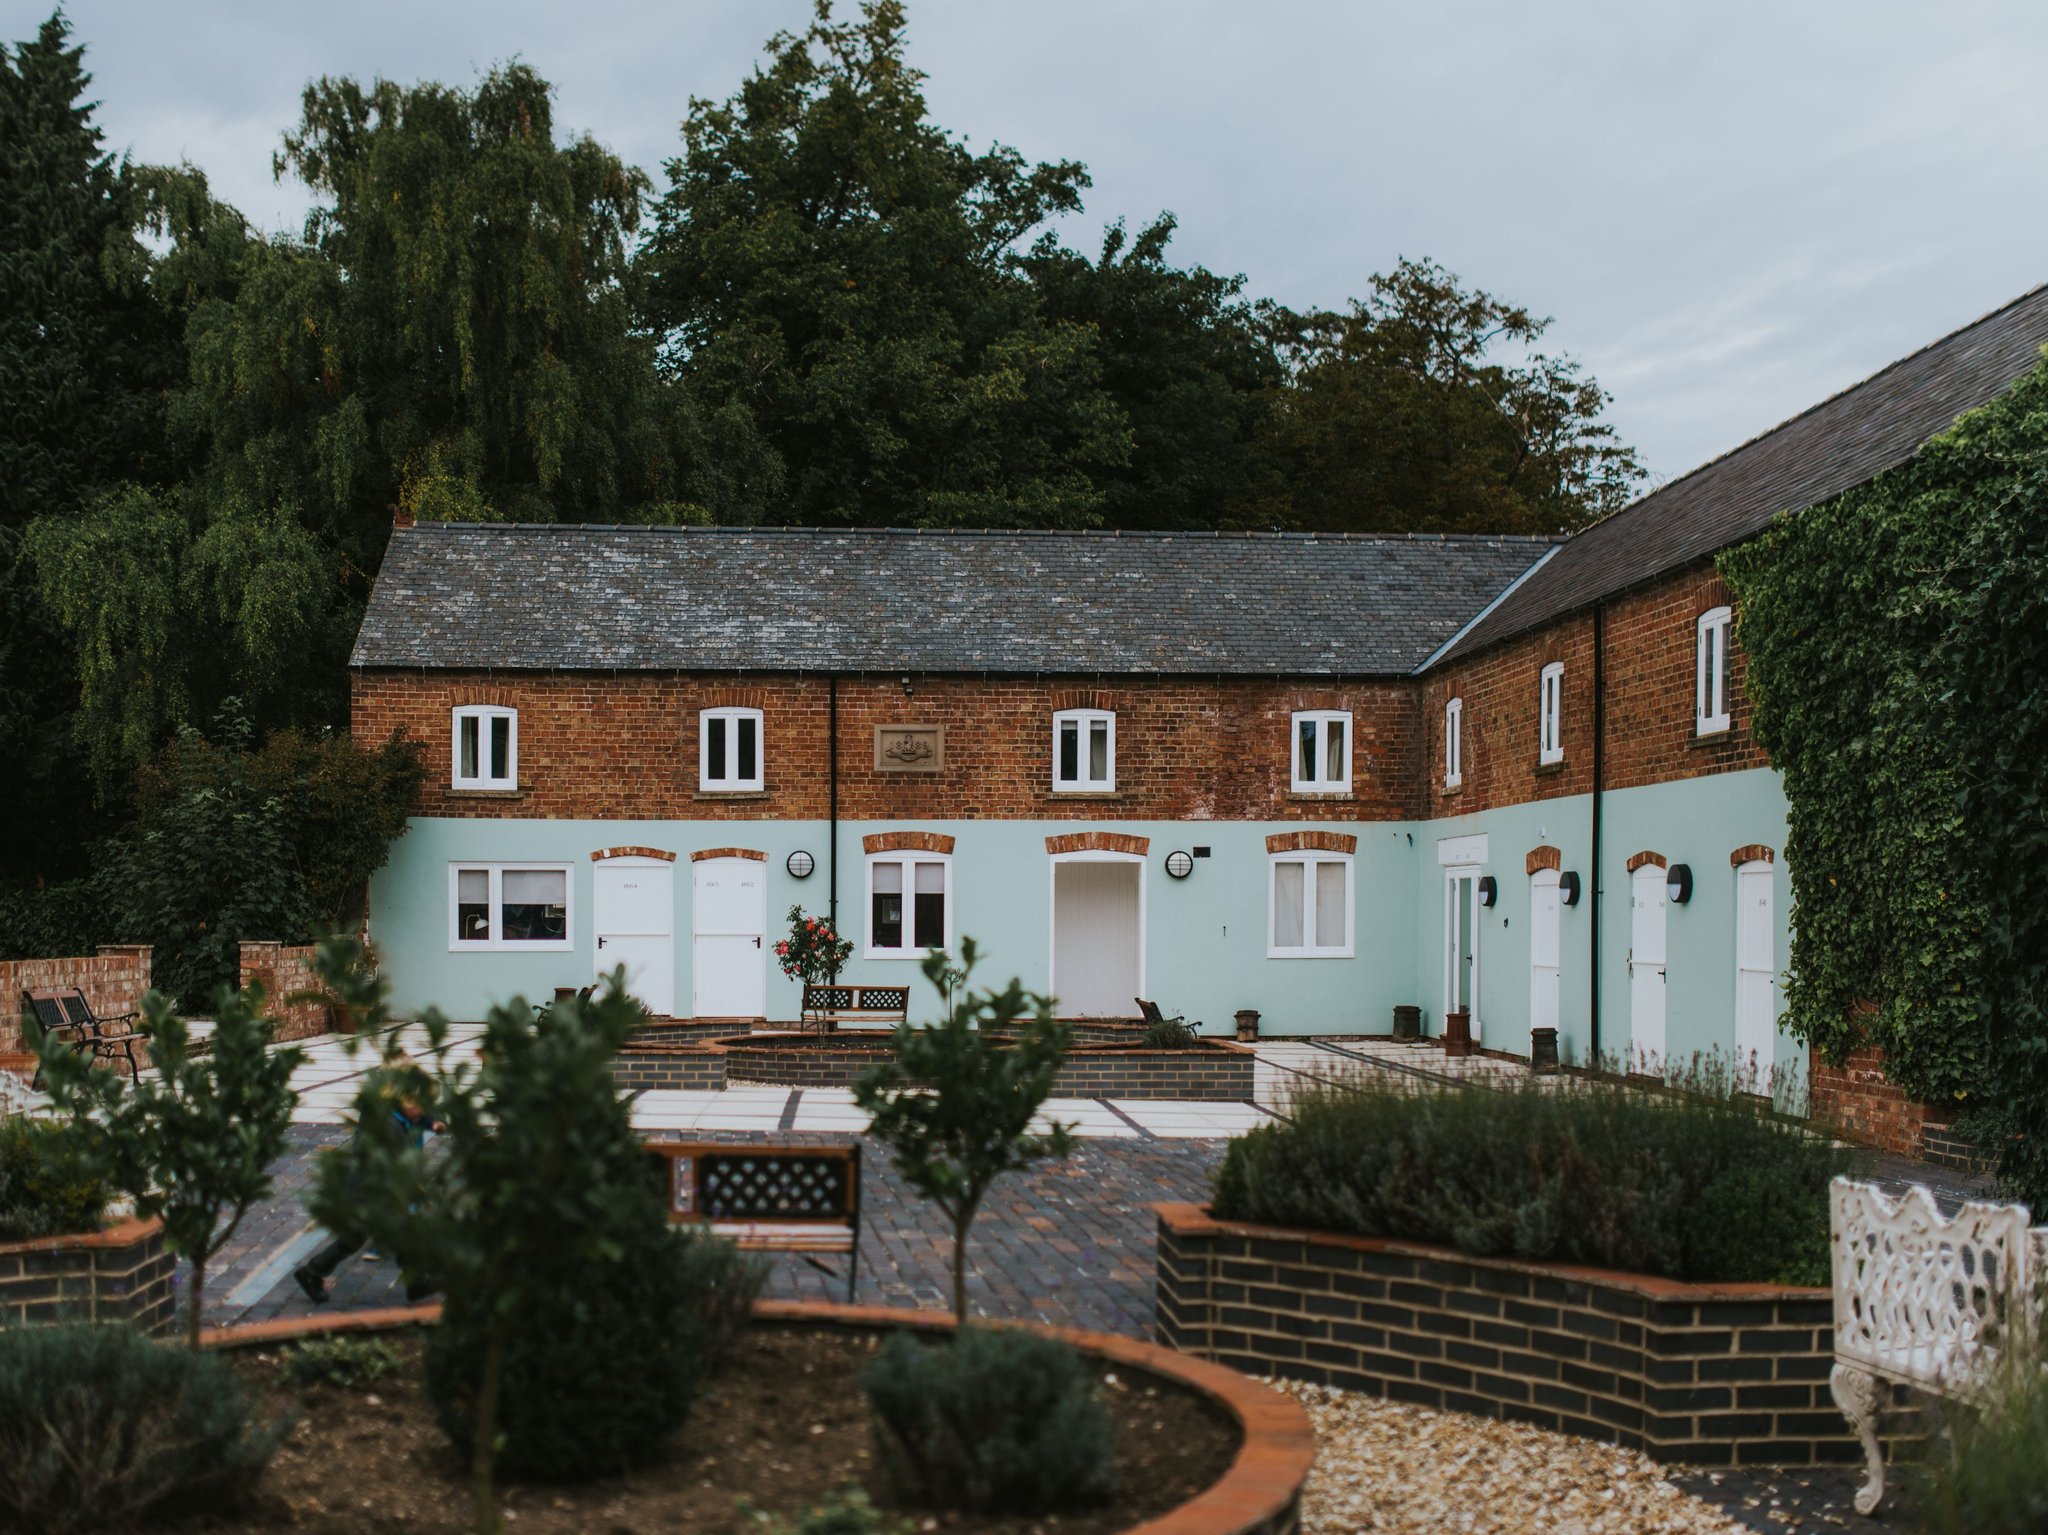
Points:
(286, 970)
(1732, 1374)
(691, 1068)
(1857, 1100)
(689, 1031)
(1215, 1072)
(121, 1274)
(113, 981)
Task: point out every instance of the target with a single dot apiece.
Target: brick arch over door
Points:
(1098, 842)
(1639, 859)
(1542, 857)
(631, 852)
(1755, 852)
(906, 842)
(705, 854)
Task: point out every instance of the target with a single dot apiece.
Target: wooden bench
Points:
(800, 1199)
(64, 1012)
(1925, 1300)
(827, 1007)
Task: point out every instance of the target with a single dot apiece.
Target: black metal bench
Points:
(800, 1199)
(827, 1007)
(64, 1012)
(1155, 1019)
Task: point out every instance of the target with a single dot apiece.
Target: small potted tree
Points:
(813, 953)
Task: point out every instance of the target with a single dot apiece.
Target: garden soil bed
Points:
(783, 1426)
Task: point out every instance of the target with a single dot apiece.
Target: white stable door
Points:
(729, 962)
(1461, 943)
(636, 927)
(1646, 970)
(1544, 950)
(1756, 995)
(1097, 940)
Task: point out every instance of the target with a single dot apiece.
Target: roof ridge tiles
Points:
(1285, 535)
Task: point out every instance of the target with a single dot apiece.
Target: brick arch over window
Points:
(1098, 842)
(907, 842)
(632, 852)
(704, 853)
(733, 698)
(1755, 852)
(1544, 857)
(1311, 842)
(1639, 859)
(469, 695)
(1085, 698)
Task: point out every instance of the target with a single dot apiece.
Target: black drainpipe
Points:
(1599, 746)
(832, 792)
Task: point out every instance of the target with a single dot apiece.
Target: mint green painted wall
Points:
(1205, 935)
(1697, 821)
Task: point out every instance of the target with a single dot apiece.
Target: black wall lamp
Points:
(1678, 883)
(800, 864)
(1487, 889)
(1568, 889)
(1179, 864)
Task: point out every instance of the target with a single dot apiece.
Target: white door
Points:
(1461, 943)
(1756, 1009)
(1097, 938)
(1646, 970)
(636, 927)
(728, 958)
(1544, 907)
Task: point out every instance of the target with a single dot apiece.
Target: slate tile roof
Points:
(1820, 453)
(526, 597)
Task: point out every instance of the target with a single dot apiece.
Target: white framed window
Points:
(1084, 751)
(1454, 743)
(1310, 906)
(1550, 721)
(1322, 751)
(1710, 695)
(509, 906)
(910, 904)
(486, 748)
(729, 750)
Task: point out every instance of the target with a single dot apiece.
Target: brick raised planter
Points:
(120, 1274)
(1260, 1493)
(1726, 1374)
(643, 1064)
(1215, 1071)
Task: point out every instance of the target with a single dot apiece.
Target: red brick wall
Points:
(625, 746)
(1860, 1102)
(283, 972)
(1651, 639)
(113, 981)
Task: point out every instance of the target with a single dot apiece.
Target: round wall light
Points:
(1678, 883)
(1488, 889)
(1568, 889)
(1179, 864)
(800, 864)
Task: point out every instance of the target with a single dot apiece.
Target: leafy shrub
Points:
(996, 1420)
(343, 1362)
(617, 1351)
(44, 1192)
(103, 1429)
(1593, 1173)
(1996, 1480)
(1170, 1034)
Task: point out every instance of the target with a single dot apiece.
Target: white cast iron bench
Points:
(1925, 1300)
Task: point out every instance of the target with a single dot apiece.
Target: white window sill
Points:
(1312, 953)
(1067, 792)
(899, 954)
(1707, 730)
(516, 946)
(486, 790)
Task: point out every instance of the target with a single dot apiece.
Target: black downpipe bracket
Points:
(1599, 747)
(832, 793)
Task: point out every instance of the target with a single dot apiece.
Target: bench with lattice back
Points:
(63, 1011)
(827, 1007)
(798, 1199)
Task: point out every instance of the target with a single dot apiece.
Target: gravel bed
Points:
(1386, 1466)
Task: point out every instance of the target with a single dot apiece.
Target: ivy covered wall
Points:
(1898, 645)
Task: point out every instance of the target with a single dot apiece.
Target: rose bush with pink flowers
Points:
(813, 952)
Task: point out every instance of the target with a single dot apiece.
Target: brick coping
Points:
(121, 1234)
(876, 1042)
(1195, 1220)
(1256, 1493)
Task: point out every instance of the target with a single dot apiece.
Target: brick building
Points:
(1317, 776)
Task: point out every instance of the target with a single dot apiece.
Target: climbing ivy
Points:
(1897, 639)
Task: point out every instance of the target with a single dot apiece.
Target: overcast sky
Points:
(1730, 210)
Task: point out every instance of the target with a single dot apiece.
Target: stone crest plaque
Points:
(910, 748)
